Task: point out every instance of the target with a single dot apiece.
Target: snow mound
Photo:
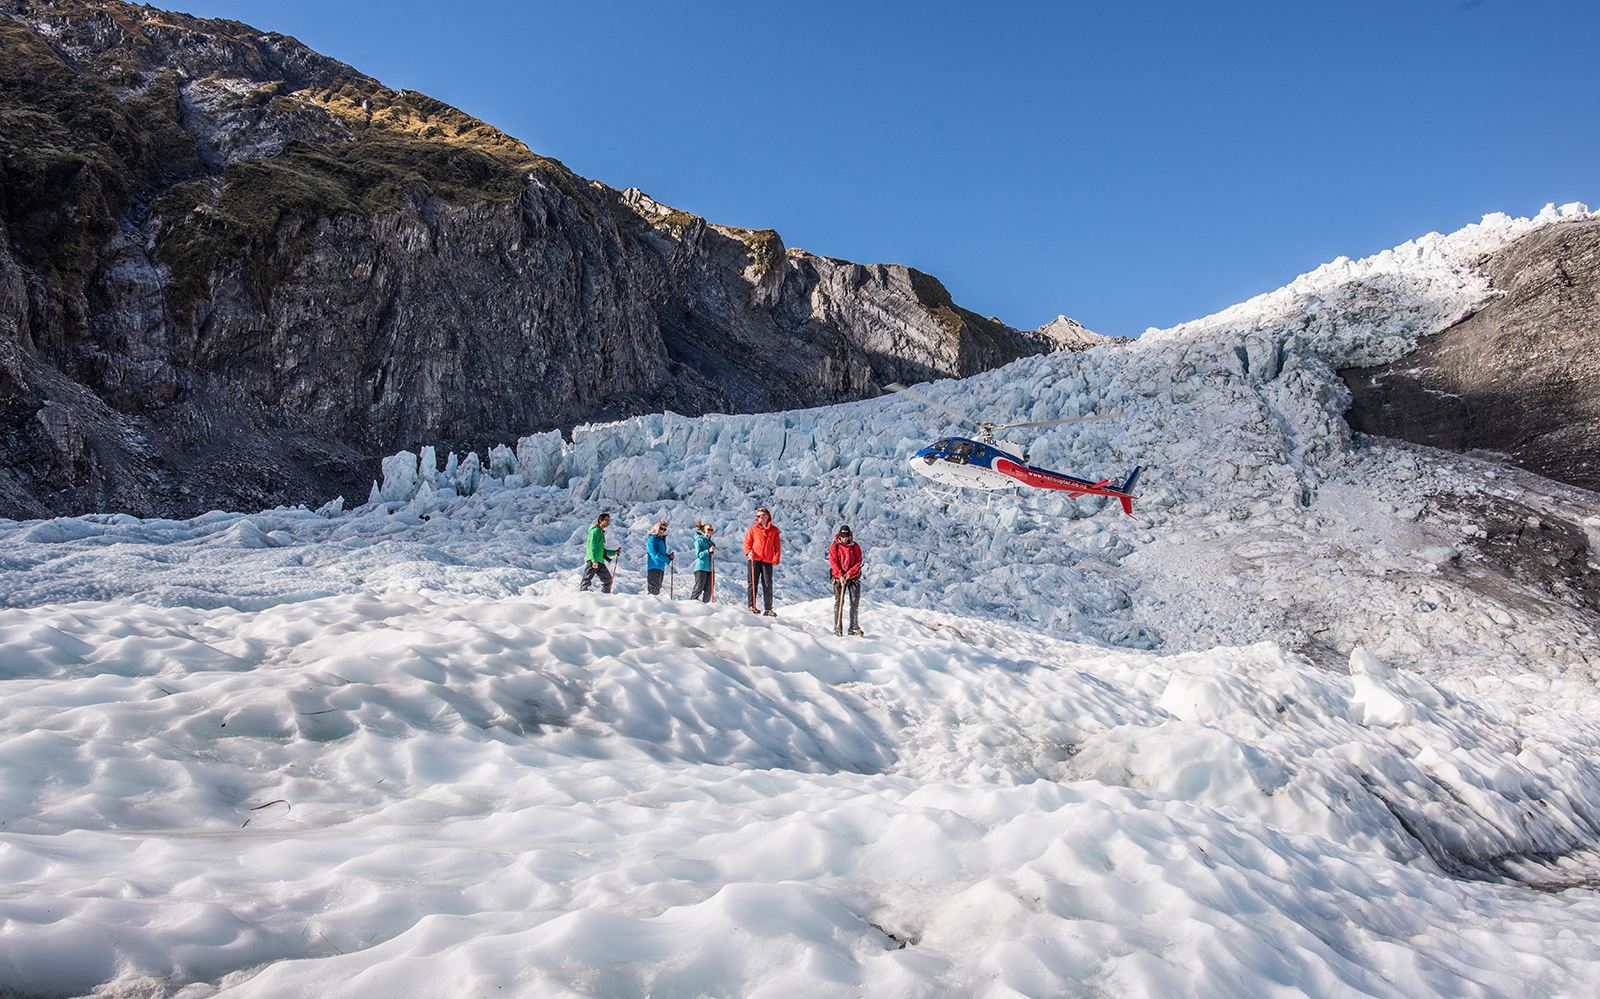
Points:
(579, 792)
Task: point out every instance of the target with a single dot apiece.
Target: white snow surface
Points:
(1274, 736)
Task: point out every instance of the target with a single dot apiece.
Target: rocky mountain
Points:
(1069, 334)
(233, 271)
(1520, 377)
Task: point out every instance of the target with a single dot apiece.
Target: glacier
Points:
(1274, 735)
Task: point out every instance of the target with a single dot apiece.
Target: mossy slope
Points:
(78, 157)
(73, 156)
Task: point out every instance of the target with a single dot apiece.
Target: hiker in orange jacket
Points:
(762, 547)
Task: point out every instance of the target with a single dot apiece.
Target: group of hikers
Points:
(762, 550)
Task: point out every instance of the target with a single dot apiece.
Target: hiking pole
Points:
(672, 587)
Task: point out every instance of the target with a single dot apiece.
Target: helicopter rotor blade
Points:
(991, 427)
(897, 387)
(1052, 423)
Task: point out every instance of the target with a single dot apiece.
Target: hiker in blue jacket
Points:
(657, 556)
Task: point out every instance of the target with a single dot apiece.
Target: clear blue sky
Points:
(1129, 164)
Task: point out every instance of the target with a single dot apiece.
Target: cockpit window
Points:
(962, 448)
(940, 445)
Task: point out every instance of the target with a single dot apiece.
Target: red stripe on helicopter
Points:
(1041, 479)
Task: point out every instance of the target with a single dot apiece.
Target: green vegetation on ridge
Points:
(72, 157)
(266, 207)
(403, 144)
(77, 160)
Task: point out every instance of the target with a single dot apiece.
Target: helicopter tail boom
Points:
(1041, 478)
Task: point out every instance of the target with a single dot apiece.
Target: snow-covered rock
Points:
(399, 477)
(632, 479)
(1069, 334)
(539, 457)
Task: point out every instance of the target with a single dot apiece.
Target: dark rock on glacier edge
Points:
(1520, 378)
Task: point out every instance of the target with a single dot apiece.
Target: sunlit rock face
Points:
(1520, 377)
(233, 270)
(1069, 334)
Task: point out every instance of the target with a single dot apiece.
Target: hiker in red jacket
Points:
(844, 564)
(762, 548)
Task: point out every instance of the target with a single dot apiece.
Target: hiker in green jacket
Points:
(595, 555)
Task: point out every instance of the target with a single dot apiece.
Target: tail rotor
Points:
(1127, 489)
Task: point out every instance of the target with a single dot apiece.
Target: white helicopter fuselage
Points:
(970, 464)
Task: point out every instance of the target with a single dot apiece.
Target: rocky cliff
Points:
(234, 271)
(1519, 378)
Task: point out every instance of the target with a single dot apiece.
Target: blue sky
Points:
(1129, 164)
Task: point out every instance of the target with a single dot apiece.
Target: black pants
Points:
(652, 581)
(760, 576)
(841, 589)
(702, 586)
(593, 569)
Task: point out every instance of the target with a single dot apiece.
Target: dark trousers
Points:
(702, 586)
(841, 589)
(652, 581)
(593, 569)
(760, 576)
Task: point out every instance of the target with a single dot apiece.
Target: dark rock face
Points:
(1520, 378)
(234, 272)
(1545, 552)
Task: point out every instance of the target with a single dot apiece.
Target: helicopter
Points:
(987, 463)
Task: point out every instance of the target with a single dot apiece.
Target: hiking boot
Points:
(839, 632)
(770, 613)
(857, 631)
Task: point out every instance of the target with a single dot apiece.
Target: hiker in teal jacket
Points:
(704, 567)
(595, 555)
